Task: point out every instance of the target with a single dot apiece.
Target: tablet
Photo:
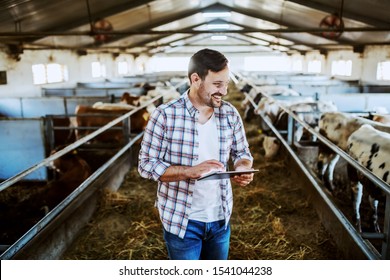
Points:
(225, 174)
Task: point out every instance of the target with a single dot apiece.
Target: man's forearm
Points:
(175, 173)
(243, 163)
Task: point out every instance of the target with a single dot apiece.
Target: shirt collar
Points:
(190, 107)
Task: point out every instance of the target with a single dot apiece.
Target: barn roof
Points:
(182, 26)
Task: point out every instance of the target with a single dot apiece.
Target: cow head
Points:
(271, 147)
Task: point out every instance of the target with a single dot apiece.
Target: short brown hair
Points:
(205, 60)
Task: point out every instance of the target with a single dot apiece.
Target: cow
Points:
(260, 92)
(338, 128)
(70, 171)
(272, 111)
(89, 119)
(169, 93)
(61, 131)
(19, 215)
(113, 106)
(308, 112)
(271, 146)
(129, 99)
(371, 148)
(245, 87)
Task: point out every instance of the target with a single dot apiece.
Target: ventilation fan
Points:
(100, 26)
(334, 24)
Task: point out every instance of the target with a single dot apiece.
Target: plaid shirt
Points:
(170, 138)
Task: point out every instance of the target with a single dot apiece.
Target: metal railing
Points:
(368, 250)
(30, 234)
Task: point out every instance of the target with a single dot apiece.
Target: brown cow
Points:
(127, 98)
(61, 131)
(71, 170)
(17, 217)
(88, 119)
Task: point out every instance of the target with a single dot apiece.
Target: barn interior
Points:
(139, 32)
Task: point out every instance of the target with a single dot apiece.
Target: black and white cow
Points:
(271, 109)
(307, 110)
(338, 128)
(260, 92)
(371, 148)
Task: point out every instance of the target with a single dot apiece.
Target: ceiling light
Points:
(214, 26)
(216, 14)
(218, 37)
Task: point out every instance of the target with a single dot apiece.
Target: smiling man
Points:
(185, 139)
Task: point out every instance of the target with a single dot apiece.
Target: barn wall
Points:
(315, 55)
(359, 102)
(356, 59)
(19, 73)
(21, 148)
(20, 78)
(35, 107)
(373, 55)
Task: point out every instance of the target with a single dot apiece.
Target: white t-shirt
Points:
(207, 202)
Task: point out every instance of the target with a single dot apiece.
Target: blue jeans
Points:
(202, 241)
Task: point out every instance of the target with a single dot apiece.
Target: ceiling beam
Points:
(118, 8)
(170, 32)
(330, 10)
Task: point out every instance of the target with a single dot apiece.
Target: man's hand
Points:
(205, 167)
(243, 179)
(179, 173)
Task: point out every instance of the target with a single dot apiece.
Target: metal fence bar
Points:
(29, 235)
(378, 181)
(368, 249)
(10, 181)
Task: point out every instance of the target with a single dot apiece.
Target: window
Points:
(163, 64)
(267, 63)
(314, 66)
(123, 68)
(383, 71)
(49, 73)
(342, 67)
(297, 65)
(98, 70)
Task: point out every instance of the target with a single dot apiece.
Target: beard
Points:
(213, 100)
(216, 100)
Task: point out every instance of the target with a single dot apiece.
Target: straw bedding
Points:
(271, 219)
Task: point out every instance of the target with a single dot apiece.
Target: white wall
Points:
(356, 59)
(19, 73)
(20, 80)
(373, 55)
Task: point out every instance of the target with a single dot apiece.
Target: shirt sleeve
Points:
(240, 147)
(151, 163)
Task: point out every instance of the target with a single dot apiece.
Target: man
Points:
(185, 139)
